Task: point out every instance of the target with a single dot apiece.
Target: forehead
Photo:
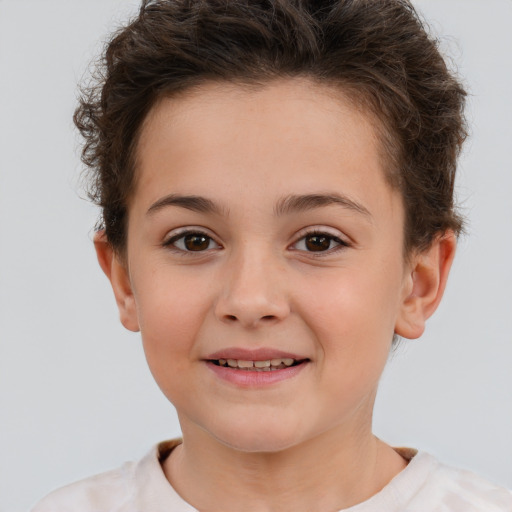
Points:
(290, 136)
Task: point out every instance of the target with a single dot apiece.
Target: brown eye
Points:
(196, 242)
(320, 243)
(192, 242)
(316, 243)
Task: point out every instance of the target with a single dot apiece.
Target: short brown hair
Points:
(377, 51)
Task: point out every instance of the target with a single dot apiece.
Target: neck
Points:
(329, 472)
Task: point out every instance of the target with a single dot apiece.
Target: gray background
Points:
(76, 397)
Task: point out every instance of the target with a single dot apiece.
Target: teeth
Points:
(265, 366)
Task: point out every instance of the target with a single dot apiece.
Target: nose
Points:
(253, 291)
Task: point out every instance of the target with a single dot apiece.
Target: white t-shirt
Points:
(425, 485)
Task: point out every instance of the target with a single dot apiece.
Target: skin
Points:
(303, 443)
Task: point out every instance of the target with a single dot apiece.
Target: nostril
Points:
(266, 318)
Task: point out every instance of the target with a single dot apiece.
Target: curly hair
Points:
(379, 52)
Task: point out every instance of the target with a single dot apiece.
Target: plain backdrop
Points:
(76, 397)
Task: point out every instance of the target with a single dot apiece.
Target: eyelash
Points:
(341, 244)
(170, 243)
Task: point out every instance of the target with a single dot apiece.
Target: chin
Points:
(256, 438)
(261, 443)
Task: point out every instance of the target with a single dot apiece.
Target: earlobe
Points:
(424, 285)
(117, 273)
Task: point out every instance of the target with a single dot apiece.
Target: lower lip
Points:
(254, 379)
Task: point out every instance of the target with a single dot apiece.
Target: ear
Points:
(424, 285)
(117, 273)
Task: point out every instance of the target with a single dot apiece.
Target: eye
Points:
(192, 241)
(319, 242)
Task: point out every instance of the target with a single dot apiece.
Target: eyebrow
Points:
(300, 203)
(285, 205)
(195, 203)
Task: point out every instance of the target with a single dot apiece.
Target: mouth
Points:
(267, 365)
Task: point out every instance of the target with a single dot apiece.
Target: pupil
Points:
(196, 242)
(318, 243)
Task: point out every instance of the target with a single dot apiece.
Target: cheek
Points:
(352, 315)
(352, 301)
(171, 313)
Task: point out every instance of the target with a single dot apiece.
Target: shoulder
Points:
(106, 491)
(133, 487)
(448, 489)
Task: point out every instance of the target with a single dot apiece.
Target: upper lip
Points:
(259, 354)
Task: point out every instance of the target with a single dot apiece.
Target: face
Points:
(264, 262)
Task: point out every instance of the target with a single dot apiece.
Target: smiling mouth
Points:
(267, 365)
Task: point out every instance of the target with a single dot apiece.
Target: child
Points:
(276, 181)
